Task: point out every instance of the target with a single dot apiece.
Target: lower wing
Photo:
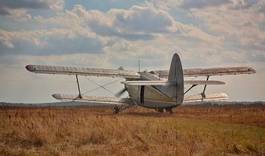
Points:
(208, 97)
(95, 100)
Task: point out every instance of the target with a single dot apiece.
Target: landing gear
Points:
(162, 110)
(169, 110)
(116, 110)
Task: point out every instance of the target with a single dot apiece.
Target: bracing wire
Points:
(101, 86)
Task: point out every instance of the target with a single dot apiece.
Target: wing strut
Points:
(78, 87)
(142, 95)
(190, 88)
(204, 88)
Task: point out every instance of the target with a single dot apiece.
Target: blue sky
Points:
(104, 5)
(113, 33)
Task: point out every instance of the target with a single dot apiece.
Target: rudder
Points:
(176, 75)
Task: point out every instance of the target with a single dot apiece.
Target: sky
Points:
(114, 33)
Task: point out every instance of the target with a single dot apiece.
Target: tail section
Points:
(176, 75)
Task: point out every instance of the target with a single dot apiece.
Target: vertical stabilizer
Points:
(176, 75)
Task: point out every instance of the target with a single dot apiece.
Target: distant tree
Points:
(121, 68)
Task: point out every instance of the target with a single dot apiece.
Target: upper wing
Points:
(193, 72)
(82, 71)
(219, 71)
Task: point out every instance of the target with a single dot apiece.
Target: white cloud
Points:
(98, 30)
(48, 42)
(187, 4)
(243, 4)
(143, 19)
(202, 3)
(239, 27)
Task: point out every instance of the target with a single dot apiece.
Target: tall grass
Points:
(83, 131)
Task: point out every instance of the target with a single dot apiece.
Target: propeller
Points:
(121, 92)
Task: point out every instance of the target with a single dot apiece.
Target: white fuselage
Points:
(150, 96)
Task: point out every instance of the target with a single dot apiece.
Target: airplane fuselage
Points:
(150, 96)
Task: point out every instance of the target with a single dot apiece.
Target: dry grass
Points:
(191, 130)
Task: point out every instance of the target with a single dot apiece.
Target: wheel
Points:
(169, 110)
(160, 110)
(116, 110)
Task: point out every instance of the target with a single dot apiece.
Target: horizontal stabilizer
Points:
(208, 97)
(168, 83)
(82, 71)
(93, 99)
(148, 83)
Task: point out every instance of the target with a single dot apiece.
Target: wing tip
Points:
(56, 96)
(252, 70)
(29, 68)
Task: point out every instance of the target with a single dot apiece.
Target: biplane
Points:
(161, 90)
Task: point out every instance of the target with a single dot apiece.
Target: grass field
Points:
(190, 130)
